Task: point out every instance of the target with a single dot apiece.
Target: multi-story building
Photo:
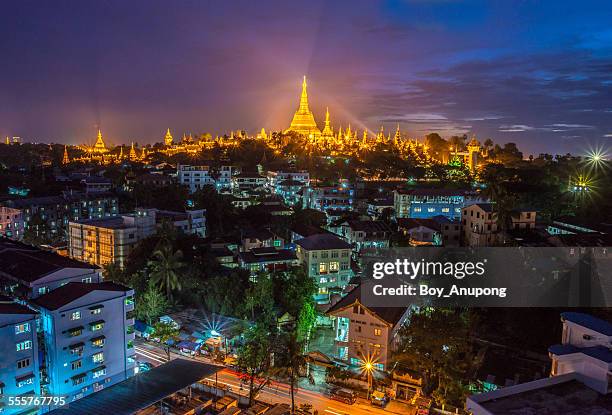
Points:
(376, 207)
(278, 176)
(57, 211)
(327, 259)
(427, 203)
(365, 334)
(323, 198)
(11, 223)
(191, 222)
(481, 228)
(96, 184)
(267, 259)
(363, 234)
(249, 181)
(105, 241)
(88, 337)
(261, 238)
(224, 179)
(289, 190)
(580, 381)
(19, 364)
(420, 232)
(27, 272)
(195, 177)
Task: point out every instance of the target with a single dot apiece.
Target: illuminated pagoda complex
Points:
(99, 147)
(303, 121)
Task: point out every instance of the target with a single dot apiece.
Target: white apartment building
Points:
(89, 337)
(365, 333)
(278, 176)
(19, 365)
(195, 177)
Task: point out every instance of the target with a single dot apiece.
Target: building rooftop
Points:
(588, 321)
(368, 226)
(115, 222)
(391, 315)
(598, 352)
(307, 230)
(411, 223)
(322, 241)
(8, 306)
(74, 290)
(256, 255)
(27, 263)
(142, 390)
(551, 396)
(431, 192)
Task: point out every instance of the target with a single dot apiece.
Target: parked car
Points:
(379, 399)
(343, 395)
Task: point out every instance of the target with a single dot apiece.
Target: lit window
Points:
(76, 364)
(334, 266)
(98, 357)
(417, 209)
(97, 325)
(99, 372)
(25, 345)
(322, 268)
(22, 328)
(377, 332)
(75, 315)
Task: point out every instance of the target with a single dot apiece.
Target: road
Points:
(275, 392)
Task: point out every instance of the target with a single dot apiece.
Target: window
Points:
(98, 357)
(87, 280)
(42, 290)
(98, 341)
(76, 315)
(322, 268)
(417, 209)
(23, 363)
(355, 308)
(445, 210)
(322, 280)
(99, 372)
(377, 332)
(77, 364)
(96, 310)
(25, 345)
(334, 266)
(97, 325)
(25, 380)
(22, 328)
(77, 380)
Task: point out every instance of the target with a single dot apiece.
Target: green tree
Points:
(165, 268)
(113, 272)
(254, 357)
(165, 332)
(151, 304)
(437, 344)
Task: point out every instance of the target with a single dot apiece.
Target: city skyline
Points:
(539, 77)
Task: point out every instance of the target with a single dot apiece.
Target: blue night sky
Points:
(538, 73)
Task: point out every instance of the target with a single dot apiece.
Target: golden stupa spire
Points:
(398, 134)
(303, 121)
(133, 152)
(65, 160)
(327, 130)
(99, 147)
(168, 138)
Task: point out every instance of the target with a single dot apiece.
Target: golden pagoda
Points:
(66, 159)
(168, 138)
(327, 130)
(99, 147)
(133, 155)
(303, 121)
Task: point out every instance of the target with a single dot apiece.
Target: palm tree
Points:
(164, 269)
(112, 272)
(290, 360)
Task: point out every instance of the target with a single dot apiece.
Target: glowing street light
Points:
(368, 367)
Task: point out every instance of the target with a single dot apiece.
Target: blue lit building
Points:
(19, 366)
(89, 333)
(324, 198)
(427, 203)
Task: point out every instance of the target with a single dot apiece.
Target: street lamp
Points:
(369, 368)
